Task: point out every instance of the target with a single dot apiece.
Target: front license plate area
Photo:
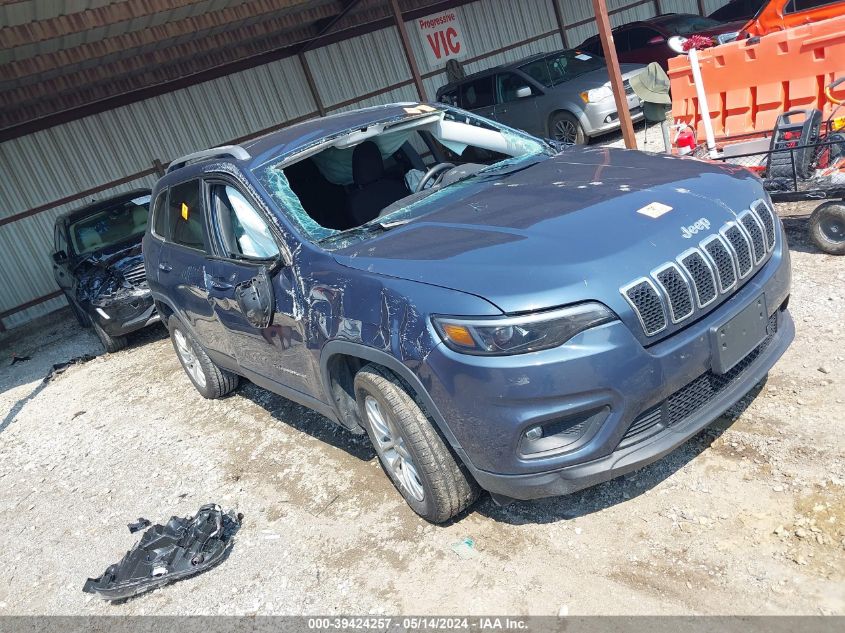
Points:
(732, 341)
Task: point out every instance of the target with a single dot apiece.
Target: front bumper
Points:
(125, 316)
(603, 377)
(601, 118)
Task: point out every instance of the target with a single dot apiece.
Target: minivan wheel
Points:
(209, 379)
(411, 451)
(566, 128)
(111, 343)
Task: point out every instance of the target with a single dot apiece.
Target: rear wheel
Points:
(565, 127)
(111, 343)
(412, 453)
(827, 227)
(209, 379)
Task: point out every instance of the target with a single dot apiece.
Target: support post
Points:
(409, 54)
(606, 37)
(159, 167)
(312, 85)
(561, 24)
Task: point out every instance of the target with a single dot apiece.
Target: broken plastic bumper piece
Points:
(167, 553)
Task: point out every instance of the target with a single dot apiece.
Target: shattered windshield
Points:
(358, 183)
(110, 226)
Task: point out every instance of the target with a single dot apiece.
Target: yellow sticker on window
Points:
(184, 211)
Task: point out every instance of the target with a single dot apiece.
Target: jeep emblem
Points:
(701, 225)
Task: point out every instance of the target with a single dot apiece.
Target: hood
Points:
(725, 27)
(563, 229)
(598, 77)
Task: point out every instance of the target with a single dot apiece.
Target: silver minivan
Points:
(563, 95)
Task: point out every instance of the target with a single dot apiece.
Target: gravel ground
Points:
(746, 518)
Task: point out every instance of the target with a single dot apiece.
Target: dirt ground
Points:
(747, 518)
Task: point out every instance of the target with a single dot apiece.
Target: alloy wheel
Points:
(189, 359)
(392, 449)
(566, 131)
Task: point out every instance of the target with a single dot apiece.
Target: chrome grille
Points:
(701, 274)
(703, 279)
(764, 214)
(741, 247)
(643, 297)
(136, 275)
(755, 232)
(721, 256)
(678, 291)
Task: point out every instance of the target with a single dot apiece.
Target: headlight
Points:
(499, 336)
(596, 94)
(676, 43)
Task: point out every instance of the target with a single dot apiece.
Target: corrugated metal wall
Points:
(87, 153)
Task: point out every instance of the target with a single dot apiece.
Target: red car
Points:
(662, 37)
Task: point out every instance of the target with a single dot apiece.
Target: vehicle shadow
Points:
(798, 235)
(307, 421)
(53, 340)
(620, 490)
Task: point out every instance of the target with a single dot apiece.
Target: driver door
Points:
(517, 111)
(250, 292)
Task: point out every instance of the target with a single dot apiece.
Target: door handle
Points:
(165, 267)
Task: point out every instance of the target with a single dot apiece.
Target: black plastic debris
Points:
(167, 553)
(59, 368)
(19, 359)
(139, 525)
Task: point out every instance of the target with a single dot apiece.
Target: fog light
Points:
(534, 433)
(103, 313)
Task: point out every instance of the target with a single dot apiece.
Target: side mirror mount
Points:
(657, 39)
(60, 257)
(523, 92)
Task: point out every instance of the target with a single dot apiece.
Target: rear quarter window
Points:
(185, 215)
(159, 216)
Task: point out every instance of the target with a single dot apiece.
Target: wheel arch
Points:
(571, 111)
(336, 351)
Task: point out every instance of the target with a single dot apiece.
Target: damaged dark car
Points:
(98, 264)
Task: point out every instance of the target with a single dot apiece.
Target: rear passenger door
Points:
(251, 292)
(183, 264)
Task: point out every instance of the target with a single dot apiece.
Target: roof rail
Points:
(232, 151)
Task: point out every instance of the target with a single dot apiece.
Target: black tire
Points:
(447, 489)
(78, 313)
(210, 380)
(111, 343)
(827, 227)
(565, 127)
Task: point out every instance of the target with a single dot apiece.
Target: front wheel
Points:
(827, 227)
(111, 343)
(412, 453)
(565, 127)
(210, 380)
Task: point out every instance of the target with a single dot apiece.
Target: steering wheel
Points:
(436, 172)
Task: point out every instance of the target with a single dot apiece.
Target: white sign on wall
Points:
(442, 38)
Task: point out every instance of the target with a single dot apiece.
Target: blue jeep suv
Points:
(495, 311)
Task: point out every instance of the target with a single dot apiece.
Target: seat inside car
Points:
(322, 199)
(373, 190)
